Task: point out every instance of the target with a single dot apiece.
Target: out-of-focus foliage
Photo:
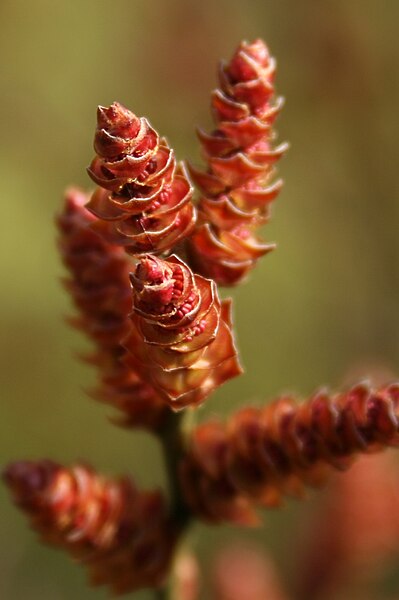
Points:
(325, 302)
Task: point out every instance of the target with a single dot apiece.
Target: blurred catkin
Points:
(120, 534)
(353, 532)
(262, 454)
(99, 286)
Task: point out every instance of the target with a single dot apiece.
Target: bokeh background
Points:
(322, 309)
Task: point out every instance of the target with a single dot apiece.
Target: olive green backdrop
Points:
(322, 309)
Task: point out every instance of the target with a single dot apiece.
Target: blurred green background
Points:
(322, 309)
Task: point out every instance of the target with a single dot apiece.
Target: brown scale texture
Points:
(100, 288)
(181, 337)
(236, 187)
(121, 535)
(263, 453)
(143, 200)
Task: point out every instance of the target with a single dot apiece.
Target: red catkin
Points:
(236, 189)
(263, 453)
(143, 201)
(121, 535)
(181, 338)
(99, 285)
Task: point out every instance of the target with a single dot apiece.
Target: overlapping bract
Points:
(262, 454)
(236, 187)
(144, 200)
(121, 535)
(100, 288)
(181, 336)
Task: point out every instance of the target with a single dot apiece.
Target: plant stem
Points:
(161, 594)
(172, 443)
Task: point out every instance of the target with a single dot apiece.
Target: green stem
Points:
(172, 440)
(172, 443)
(161, 594)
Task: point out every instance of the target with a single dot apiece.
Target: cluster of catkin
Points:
(144, 264)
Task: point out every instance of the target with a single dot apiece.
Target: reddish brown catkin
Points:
(181, 338)
(121, 535)
(144, 200)
(100, 288)
(236, 187)
(262, 454)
